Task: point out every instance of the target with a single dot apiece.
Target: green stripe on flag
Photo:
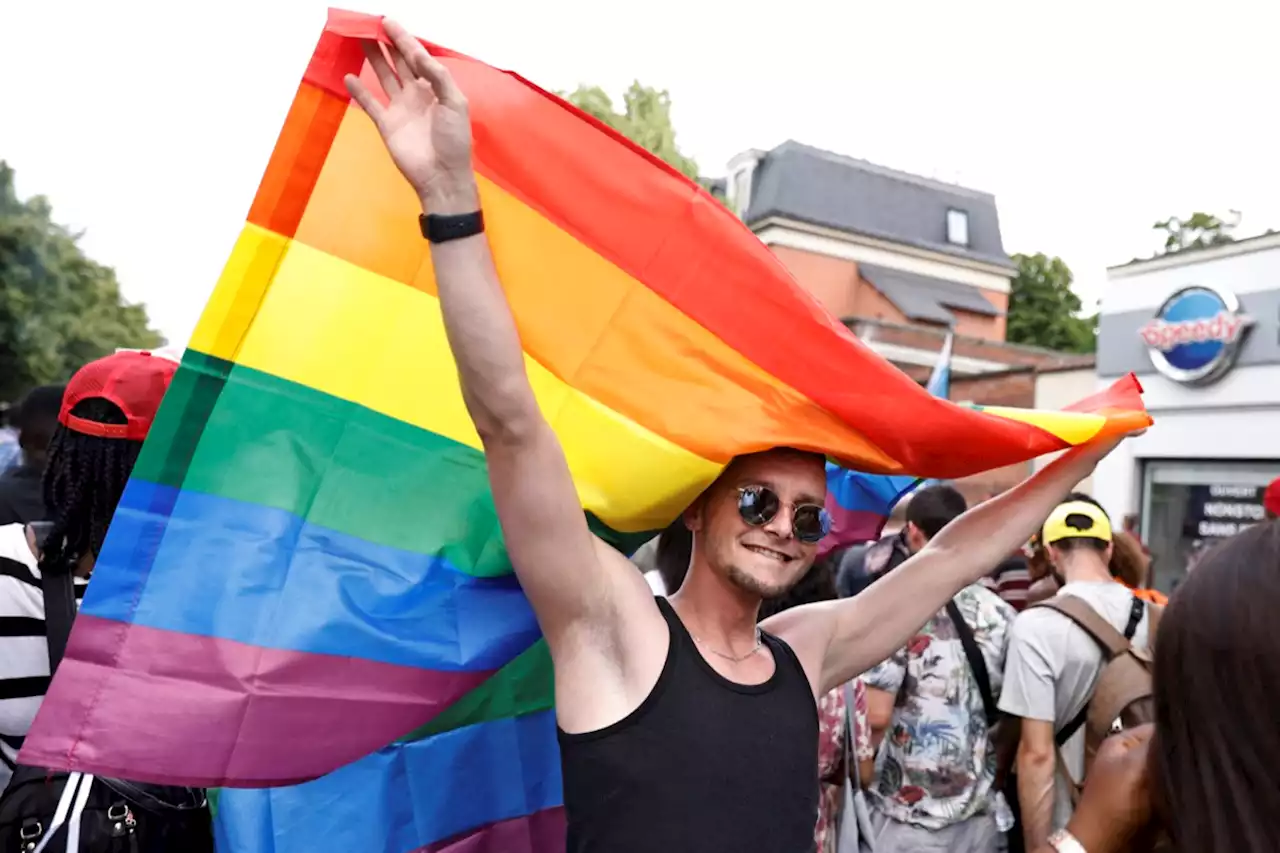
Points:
(238, 433)
(523, 686)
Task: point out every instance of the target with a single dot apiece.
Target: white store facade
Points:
(1201, 329)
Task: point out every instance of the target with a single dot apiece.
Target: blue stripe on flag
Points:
(217, 567)
(405, 796)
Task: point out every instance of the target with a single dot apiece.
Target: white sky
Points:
(1088, 120)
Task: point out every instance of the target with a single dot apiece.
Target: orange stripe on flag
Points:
(585, 320)
(297, 160)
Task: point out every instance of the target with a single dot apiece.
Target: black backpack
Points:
(82, 813)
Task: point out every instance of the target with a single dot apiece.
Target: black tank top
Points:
(704, 765)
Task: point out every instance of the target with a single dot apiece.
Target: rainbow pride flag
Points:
(305, 587)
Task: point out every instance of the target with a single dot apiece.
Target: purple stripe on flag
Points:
(183, 709)
(541, 832)
(860, 505)
(852, 526)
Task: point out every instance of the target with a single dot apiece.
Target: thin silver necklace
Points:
(735, 658)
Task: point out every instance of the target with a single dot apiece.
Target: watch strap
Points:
(441, 228)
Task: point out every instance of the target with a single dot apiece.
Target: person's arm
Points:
(1037, 758)
(879, 713)
(426, 129)
(860, 631)
(1028, 695)
(867, 772)
(1115, 808)
(883, 683)
(864, 754)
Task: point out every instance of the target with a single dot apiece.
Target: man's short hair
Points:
(1087, 498)
(934, 507)
(1081, 543)
(36, 416)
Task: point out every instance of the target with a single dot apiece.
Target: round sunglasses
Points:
(759, 505)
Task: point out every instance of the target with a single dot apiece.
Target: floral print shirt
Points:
(831, 735)
(936, 765)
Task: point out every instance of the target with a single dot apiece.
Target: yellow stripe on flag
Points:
(1072, 427)
(359, 336)
(240, 290)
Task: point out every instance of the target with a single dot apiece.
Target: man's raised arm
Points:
(868, 628)
(427, 130)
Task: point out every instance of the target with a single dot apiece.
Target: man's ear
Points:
(915, 539)
(1052, 556)
(693, 516)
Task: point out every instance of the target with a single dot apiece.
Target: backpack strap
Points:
(1113, 643)
(977, 663)
(59, 613)
(850, 766)
(1078, 610)
(1073, 725)
(59, 601)
(1136, 608)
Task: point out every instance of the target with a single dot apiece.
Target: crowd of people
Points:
(984, 678)
(979, 723)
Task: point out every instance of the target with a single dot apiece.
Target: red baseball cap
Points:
(134, 381)
(1271, 497)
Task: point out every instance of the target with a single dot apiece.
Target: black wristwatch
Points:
(443, 228)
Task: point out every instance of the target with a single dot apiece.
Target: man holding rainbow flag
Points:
(682, 725)
(307, 595)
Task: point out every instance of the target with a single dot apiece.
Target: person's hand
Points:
(425, 124)
(1116, 803)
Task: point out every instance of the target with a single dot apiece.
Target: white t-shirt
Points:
(1053, 666)
(24, 648)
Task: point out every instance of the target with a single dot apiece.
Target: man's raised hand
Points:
(425, 124)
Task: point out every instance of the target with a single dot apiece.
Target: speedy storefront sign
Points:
(1195, 336)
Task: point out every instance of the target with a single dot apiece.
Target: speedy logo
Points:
(1196, 335)
(1225, 328)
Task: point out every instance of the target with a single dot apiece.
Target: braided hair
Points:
(83, 482)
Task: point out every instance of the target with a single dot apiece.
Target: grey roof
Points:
(808, 184)
(923, 298)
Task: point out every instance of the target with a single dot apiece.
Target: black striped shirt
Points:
(24, 652)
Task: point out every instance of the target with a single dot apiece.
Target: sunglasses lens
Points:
(757, 505)
(811, 523)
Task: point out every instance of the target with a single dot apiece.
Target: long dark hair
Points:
(675, 550)
(83, 482)
(1216, 755)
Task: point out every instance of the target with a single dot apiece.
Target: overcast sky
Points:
(150, 129)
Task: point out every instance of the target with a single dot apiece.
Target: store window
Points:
(1188, 506)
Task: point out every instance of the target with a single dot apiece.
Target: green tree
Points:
(645, 119)
(58, 308)
(1044, 311)
(1197, 231)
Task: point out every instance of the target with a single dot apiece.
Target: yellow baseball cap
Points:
(1056, 528)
